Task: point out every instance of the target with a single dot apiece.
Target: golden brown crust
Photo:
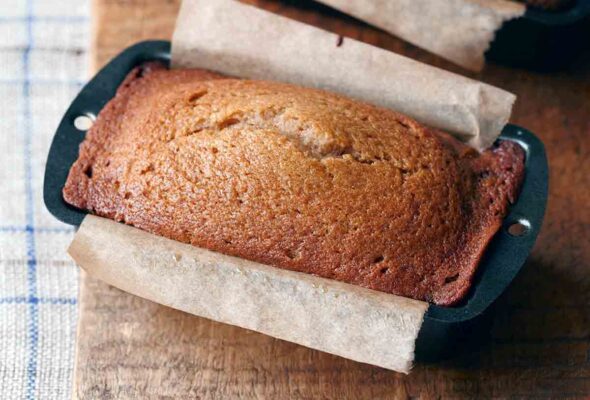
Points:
(296, 178)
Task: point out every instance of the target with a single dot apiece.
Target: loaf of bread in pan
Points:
(296, 178)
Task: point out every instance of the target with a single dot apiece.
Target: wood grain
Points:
(540, 346)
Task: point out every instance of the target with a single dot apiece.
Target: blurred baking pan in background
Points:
(543, 39)
(536, 34)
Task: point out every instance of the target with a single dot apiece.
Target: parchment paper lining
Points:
(346, 320)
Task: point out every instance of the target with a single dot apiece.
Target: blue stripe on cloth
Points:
(58, 300)
(49, 18)
(33, 309)
(13, 300)
(35, 300)
(42, 82)
(17, 229)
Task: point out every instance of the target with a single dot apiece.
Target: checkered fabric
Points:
(43, 63)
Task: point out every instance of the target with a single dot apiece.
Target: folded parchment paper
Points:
(244, 41)
(338, 318)
(458, 30)
(350, 321)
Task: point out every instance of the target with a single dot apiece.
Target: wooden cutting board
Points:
(131, 348)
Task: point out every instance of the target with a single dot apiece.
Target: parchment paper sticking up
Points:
(346, 320)
(458, 30)
(244, 41)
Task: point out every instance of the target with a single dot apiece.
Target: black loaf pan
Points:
(543, 40)
(445, 330)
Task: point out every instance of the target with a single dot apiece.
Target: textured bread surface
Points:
(296, 178)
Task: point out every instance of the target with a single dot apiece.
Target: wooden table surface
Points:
(540, 347)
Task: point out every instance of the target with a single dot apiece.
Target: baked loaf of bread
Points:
(296, 178)
(550, 5)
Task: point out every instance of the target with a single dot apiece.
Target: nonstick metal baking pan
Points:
(543, 40)
(445, 330)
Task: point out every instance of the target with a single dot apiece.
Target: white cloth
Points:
(43, 62)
